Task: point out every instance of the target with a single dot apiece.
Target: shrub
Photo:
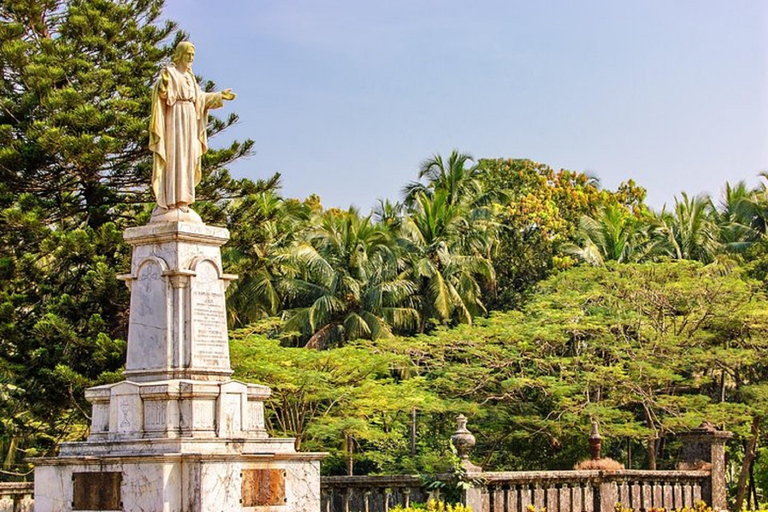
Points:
(433, 506)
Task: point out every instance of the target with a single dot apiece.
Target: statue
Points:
(177, 130)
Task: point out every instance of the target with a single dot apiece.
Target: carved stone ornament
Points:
(464, 441)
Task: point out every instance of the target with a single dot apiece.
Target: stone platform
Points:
(178, 435)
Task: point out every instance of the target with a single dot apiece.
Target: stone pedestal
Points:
(177, 328)
(178, 435)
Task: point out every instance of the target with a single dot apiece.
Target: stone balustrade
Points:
(371, 493)
(557, 491)
(586, 491)
(17, 497)
(701, 477)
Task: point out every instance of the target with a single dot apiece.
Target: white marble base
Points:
(182, 483)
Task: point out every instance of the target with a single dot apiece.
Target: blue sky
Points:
(346, 97)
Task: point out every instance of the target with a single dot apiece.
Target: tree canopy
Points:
(532, 299)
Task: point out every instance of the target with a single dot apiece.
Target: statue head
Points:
(184, 54)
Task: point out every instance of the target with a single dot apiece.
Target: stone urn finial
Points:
(595, 442)
(464, 441)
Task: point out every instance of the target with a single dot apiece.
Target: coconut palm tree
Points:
(263, 224)
(614, 234)
(457, 176)
(690, 231)
(345, 282)
(739, 217)
(446, 246)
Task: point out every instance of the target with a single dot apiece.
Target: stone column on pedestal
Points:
(475, 496)
(178, 324)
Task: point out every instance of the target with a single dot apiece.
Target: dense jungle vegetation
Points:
(530, 299)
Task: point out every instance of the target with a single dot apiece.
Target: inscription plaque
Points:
(97, 490)
(263, 487)
(209, 319)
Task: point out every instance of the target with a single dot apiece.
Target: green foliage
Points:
(344, 282)
(613, 234)
(62, 318)
(645, 349)
(539, 210)
(323, 398)
(262, 225)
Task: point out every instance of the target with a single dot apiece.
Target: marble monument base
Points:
(179, 482)
(178, 446)
(179, 435)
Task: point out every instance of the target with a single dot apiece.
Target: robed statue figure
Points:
(177, 130)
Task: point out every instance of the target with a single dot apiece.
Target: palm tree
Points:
(739, 217)
(389, 214)
(613, 234)
(689, 232)
(345, 282)
(759, 212)
(263, 224)
(447, 256)
(454, 176)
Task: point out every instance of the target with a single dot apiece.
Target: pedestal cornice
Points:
(160, 232)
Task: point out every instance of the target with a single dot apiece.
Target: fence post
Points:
(705, 447)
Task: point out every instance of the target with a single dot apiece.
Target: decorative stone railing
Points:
(701, 478)
(17, 497)
(371, 493)
(587, 491)
(557, 491)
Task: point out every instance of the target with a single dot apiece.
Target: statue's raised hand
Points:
(228, 94)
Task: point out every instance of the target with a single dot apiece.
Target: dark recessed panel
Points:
(97, 490)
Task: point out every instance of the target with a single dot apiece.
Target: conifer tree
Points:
(75, 79)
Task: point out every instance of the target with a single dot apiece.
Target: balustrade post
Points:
(607, 494)
(703, 448)
(475, 497)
